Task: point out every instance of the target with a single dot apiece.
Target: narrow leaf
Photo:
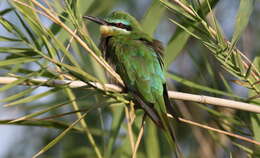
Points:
(153, 17)
(58, 138)
(243, 15)
(48, 109)
(118, 117)
(17, 61)
(9, 39)
(176, 44)
(16, 50)
(12, 28)
(152, 141)
(43, 123)
(5, 11)
(198, 86)
(18, 95)
(33, 97)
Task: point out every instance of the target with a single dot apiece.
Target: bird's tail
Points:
(172, 111)
(170, 133)
(161, 119)
(169, 106)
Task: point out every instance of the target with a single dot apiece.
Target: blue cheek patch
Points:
(118, 21)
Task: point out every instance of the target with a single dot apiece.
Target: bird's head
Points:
(117, 23)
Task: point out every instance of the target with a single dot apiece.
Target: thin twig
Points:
(139, 138)
(218, 130)
(129, 128)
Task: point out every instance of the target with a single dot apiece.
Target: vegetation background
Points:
(211, 48)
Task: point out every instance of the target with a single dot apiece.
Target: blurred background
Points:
(193, 67)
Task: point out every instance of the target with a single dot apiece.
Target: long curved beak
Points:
(96, 20)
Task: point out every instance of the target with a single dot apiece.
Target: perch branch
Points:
(110, 87)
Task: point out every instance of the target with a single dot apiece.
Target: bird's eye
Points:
(120, 25)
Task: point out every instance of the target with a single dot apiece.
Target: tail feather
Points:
(149, 110)
(161, 119)
(174, 142)
(170, 108)
(173, 111)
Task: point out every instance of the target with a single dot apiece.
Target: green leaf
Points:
(27, 10)
(239, 63)
(14, 50)
(180, 38)
(256, 126)
(79, 71)
(72, 69)
(246, 149)
(242, 19)
(82, 6)
(219, 32)
(17, 61)
(42, 123)
(255, 118)
(50, 108)
(33, 97)
(58, 138)
(177, 9)
(151, 142)
(3, 38)
(12, 29)
(18, 95)
(226, 84)
(6, 11)
(34, 39)
(104, 6)
(198, 86)
(153, 17)
(176, 44)
(118, 118)
(52, 52)
(51, 42)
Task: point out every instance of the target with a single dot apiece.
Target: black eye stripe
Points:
(121, 25)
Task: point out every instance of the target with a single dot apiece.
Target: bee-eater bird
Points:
(137, 58)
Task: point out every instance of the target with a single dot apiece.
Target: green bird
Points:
(137, 58)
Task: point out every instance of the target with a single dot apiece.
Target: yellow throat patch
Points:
(106, 30)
